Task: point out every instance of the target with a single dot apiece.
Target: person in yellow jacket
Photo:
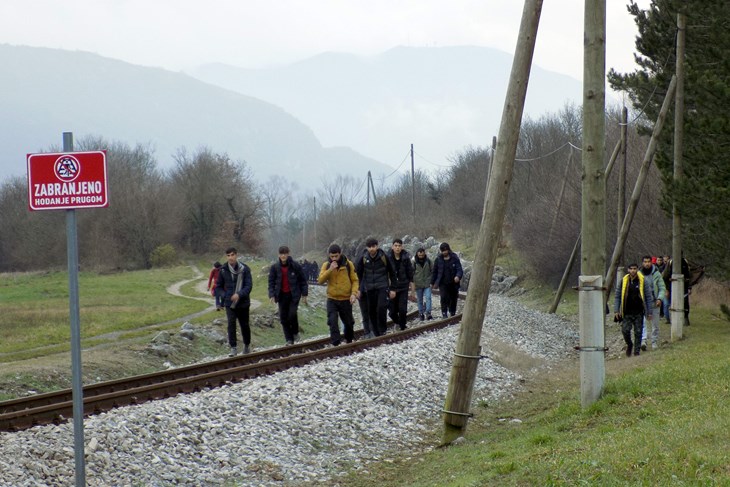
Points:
(633, 300)
(343, 288)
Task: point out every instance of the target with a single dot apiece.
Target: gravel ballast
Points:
(308, 424)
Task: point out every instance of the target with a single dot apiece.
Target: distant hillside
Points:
(44, 92)
(439, 98)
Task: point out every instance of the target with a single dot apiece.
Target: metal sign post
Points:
(67, 181)
(73, 306)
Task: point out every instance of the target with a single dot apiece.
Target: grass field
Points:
(664, 419)
(35, 307)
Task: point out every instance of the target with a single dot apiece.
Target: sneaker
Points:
(290, 342)
(296, 337)
(233, 352)
(643, 347)
(444, 315)
(637, 352)
(422, 317)
(335, 344)
(246, 349)
(628, 349)
(429, 317)
(654, 346)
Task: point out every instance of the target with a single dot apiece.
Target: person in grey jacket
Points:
(658, 291)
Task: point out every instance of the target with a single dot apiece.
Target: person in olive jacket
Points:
(287, 285)
(343, 289)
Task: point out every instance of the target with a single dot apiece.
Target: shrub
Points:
(163, 256)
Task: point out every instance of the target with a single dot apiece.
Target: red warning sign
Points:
(66, 181)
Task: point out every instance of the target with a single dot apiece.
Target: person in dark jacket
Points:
(375, 273)
(287, 285)
(633, 300)
(422, 273)
(402, 282)
(234, 284)
(447, 274)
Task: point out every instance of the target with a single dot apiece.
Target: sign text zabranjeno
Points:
(63, 181)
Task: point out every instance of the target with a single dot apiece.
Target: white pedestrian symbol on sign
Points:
(66, 168)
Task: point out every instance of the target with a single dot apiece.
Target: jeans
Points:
(288, 316)
(240, 314)
(340, 310)
(654, 326)
(423, 298)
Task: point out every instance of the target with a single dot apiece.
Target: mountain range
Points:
(44, 92)
(328, 114)
(441, 99)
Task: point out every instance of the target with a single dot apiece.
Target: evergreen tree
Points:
(704, 195)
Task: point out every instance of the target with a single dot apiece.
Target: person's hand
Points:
(334, 265)
(392, 295)
(272, 300)
(358, 294)
(235, 298)
(658, 303)
(456, 279)
(353, 298)
(304, 300)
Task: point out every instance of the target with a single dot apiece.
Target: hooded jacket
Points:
(644, 292)
(374, 272)
(297, 280)
(341, 282)
(402, 271)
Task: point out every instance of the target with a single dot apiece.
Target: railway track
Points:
(57, 407)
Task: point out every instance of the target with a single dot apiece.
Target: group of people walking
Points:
(380, 280)
(642, 297)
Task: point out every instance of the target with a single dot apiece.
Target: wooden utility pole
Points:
(678, 289)
(315, 222)
(636, 194)
(621, 203)
(562, 193)
(413, 186)
(593, 206)
(571, 260)
(468, 349)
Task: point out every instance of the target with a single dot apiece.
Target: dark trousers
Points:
(340, 310)
(399, 308)
(288, 316)
(449, 296)
(637, 323)
(366, 328)
(376, 303)
(240, 314)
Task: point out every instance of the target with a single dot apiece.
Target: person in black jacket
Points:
(375, 273)
(287, 285)
(402, 282)
(447, 274)
(234, 283)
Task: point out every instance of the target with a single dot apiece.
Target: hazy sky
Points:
(180, 34)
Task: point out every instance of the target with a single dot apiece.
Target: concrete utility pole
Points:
(413, 186)
(636, 194)
(468, 350)
(593, 206)
(678, 289)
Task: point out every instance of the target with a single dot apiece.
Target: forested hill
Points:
(44, 92)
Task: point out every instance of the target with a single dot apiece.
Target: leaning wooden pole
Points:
(468, 350)
(618, 249)
(593, 205)
(678, 284)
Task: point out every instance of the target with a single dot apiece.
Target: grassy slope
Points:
(663, 420)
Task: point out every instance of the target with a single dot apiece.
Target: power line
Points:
(432, 163)
(399, 166)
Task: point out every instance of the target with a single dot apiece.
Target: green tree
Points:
(704, 195)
